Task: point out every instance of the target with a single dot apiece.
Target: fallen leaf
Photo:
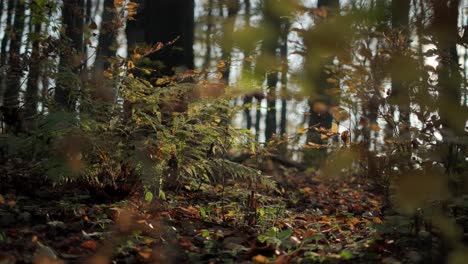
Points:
(260, 259)
(377, 220)
(89, 244)
(145, 253)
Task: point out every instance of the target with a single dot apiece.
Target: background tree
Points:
(72, 57)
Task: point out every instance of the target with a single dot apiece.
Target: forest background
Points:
(111, 99)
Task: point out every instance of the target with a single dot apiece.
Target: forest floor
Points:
(307, 220)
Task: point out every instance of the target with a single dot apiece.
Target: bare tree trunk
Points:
(209, 32)
(400, 91)
(8, 32)
(233, 7)
(319, 115)
(445, 28)
(284, 76)
(15, 71)
(103, 89)
(247, 68)
(165, 21)
(270, 44)
(71, 60)
(32, 89)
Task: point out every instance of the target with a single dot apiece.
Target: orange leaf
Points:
(145, 253)
(377, 220)
(260, 259)
(89, 244)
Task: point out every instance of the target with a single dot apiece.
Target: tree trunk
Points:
(400, 91)
(233, 7)
(320, 101)
(166, 21)
(32, 89)
(8, 32)
(284, 75)
(445, 28)
(15, 71)
(268, 63)
(4, 44)
(71, 60)
(103, 89)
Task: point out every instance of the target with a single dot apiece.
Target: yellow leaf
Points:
(221, 64)
(260, 259)
(108, 74)
(118, 3)
(145, 253)
(130, 65)
(334, 128)
(132, 5)
(301, 130)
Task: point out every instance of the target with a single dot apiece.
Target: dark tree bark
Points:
(103, 89)
(445, 30)
(15, 71)
(2, 3)
(8, 32)
(32, 89)
(400, 96)
(4, 44)
(208, 33)
(166, 20)
(107, 34)
(247, 67)
(319, 115)
(284, 75)
(233, 7)
(71, 59)
(269, 61)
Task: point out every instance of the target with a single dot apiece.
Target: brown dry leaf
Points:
(2, 199)
(46, 260)
(377, 220)
(283, 259)
(319, 107)
(98, 259)
(307, 190)
(354, 221)
(260, 259)
(11, 203)
(145, 253)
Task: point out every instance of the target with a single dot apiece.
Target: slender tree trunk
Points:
(8, 32)
(284, 76)
(166, 21)
(15, 71)
(4, 45)
(233, 7)
(319, 115)
(71, 60)
(270, 44)
(209, 31)
(400, 96)
(103, 89)
(247, 68)
(107, 36)
(32, 89)
(445, 28)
